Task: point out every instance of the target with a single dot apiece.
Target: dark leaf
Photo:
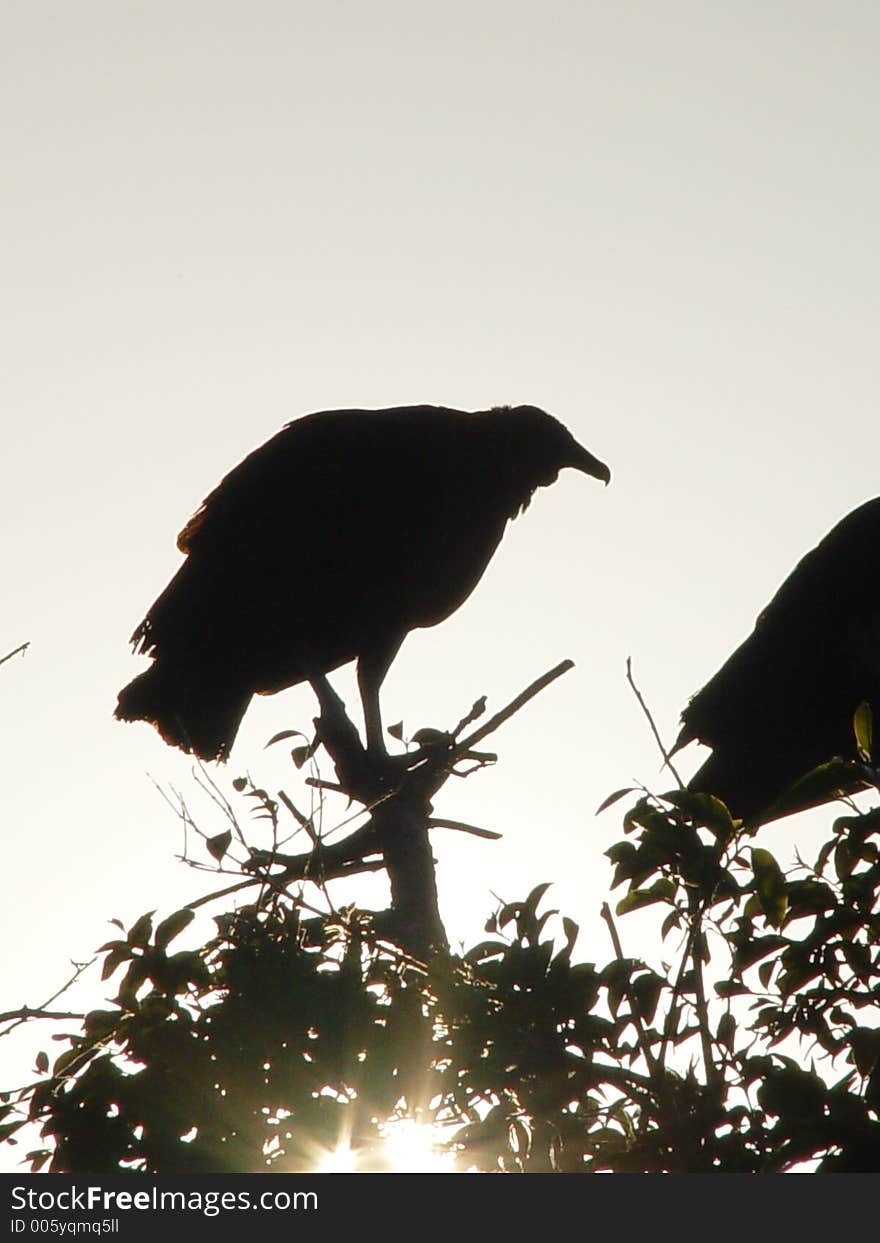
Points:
(219, 844)
(282, 737)
(612, 798)
(756, 948)
(704, 809)
(661, 891)
(730, 988)
(821, 785)
(765, 971)
(139, 932)
(863, 728)
(727, 1031)
(113, 960)
(99, 1022)
(769, 886)
(174, 924)
(844, 859)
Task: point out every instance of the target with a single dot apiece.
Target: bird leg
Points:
(336, 732)
(371, 670)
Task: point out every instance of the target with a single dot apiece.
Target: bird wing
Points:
(814, 645)
(342, 532)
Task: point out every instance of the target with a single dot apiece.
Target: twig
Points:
(22, 647)
(644, 1043)
(691, 954)
(514, 706)
(477, 710)
(666, 760)
(461, 827)
(27, 1012)
(698, 907)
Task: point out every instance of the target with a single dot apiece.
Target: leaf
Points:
(863, 728)
(531, 902)
(661, 891)
(646, 989)
(188, 966)
(704, 809)
(139, 932)
(301, 755)
(769, 886)
(114, 958)
(765, 971)
(824, 783)
(428, 737)
(865, 1045)
(754, 949)
(844, 859)
(100, 1022)
(727, 1031)
(218, 845)
(484, 951)
(396, 731)
(858, 959)
(731, 988)
(571, 930)
(285, 733)
(42, 1063)
(112, 945)
(174, 924)
(64, 1060)
(131, 982)
(612, 798)
(240, 783)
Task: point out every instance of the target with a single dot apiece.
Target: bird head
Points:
(539, 447)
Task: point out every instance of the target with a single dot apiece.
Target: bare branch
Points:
(666, 760)
(435, 823)
(15, 1018)
(22, 647)
(514, 706)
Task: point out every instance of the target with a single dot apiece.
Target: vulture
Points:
(327, 544)
(784, 702)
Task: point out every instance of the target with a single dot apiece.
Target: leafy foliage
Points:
(753, 1047)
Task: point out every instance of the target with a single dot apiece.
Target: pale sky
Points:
(656, 220)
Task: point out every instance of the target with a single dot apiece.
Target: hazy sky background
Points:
(656, 220)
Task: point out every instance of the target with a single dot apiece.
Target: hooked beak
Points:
(584, 461)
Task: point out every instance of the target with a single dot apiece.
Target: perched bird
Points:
(784, 702)
(330, 542)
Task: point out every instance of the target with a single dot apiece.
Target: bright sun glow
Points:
(342, 1161)
(409, 1148)
(414, 1149)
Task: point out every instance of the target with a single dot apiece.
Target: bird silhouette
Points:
(330, 542)
(784, 702)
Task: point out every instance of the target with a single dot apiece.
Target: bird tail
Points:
(201, 717)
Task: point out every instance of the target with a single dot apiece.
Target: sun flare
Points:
(408, 1148)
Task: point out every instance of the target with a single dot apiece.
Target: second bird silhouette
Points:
(784, 702)
(330, 542)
